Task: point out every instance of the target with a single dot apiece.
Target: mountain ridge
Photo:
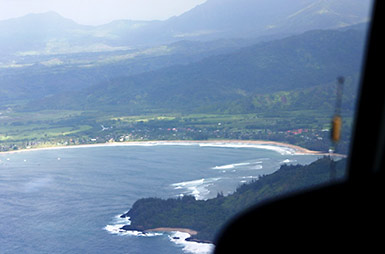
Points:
(302, 61)
(211, 20)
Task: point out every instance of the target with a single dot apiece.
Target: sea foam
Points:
(231, 166)
(288, 161)
(179, 238)
(245, 165)
(118, 223)
(197, 188)
(279, 149)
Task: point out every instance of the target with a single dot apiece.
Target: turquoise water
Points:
(67, 200)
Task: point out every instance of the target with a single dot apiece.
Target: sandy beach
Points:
(295, 149)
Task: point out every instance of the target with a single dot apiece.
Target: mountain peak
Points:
(40, 20)
(53, 16)
(251, 18)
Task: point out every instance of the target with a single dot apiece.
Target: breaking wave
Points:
(116, 228)
(179, 238)
(197, 188)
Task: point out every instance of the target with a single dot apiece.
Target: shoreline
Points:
(167, 229)
(188, 231)
(191, 232)
(297, 150)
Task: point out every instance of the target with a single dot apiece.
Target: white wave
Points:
(257, 167)
(280, 149)
(188, 183)
(179, 238)
(150, 143)
(253, 165)
(248, 177)
(284, 150)
(119, 220)
(118, 223)
(197, 188)
(116, 229)
(231, 166)
(288, 161)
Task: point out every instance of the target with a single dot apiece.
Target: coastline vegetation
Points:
(279, 90)
(305, 128)
(207, 217)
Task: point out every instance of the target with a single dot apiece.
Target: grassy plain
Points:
(63, 127)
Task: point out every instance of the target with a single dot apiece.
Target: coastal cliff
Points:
(207, 217)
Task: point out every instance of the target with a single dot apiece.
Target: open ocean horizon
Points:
(69, 200)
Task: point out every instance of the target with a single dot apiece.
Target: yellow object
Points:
(336, 128)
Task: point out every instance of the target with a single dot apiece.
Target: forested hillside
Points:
(298, 65)
(208, 216)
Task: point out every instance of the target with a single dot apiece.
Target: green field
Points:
(45, 128)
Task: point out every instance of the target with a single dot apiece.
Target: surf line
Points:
(293, 149)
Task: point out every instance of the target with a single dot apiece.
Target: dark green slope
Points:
(295, 63)
(207, 217)
(39, 81)
(321, 98)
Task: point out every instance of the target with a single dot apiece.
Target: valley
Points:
(77, 84)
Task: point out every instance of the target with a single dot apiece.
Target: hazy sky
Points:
(94, 12)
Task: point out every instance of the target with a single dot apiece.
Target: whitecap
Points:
(243, 165)
(179, 238)
(288, 161)
(224, 167)
(116, 228)
(247, 177)
(280, 149)
(187, 183)
(231, 166)
(118, 219)
(118, 223)
(197, 188)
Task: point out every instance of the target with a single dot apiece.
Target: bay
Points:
(63, 200)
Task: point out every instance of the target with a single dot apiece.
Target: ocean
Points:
(69, 200)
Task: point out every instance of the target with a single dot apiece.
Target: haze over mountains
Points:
(298, 62)
(198, 57)
(49, 33)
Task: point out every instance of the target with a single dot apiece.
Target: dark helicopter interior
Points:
(342, 216)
